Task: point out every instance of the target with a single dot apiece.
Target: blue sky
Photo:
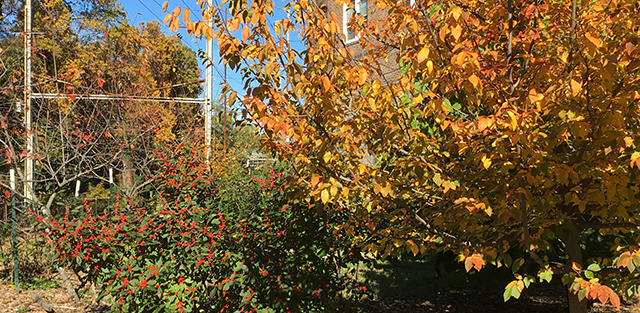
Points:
(150, 10)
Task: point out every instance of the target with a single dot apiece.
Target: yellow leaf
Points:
(595, 41)
(326, 157)
(429, 67)
(514, 119)
(164, 6)
(333, 190)
(486, 162)
(628, 141)
(635, 159)
(474, 80)
(385, 191)
(423, 54)
(324, 196)
(575, 87)
(414, 247)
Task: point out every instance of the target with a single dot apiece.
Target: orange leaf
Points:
(190, 27)
(164, 6)
(613, 297)
(534, 96)
(629, 48)
(478, 263)
(176, 11)
(635, 159)
(575, 87)
(624, 259)
(326, 83)
(175, 24)
(456, 32)
(167, 18)
(576, 267)
(468, 264)
(456, 12)
(595, 41)
(186, 14)
(474, 261)
(603, 294)
(423, 54)
(474, 80)
(245, 33)
(315, 180)
(484, 123)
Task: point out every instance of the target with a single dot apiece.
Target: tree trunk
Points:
(573, 253)
(67, 283)
(128, 175)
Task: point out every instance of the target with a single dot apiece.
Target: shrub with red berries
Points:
(202, 244)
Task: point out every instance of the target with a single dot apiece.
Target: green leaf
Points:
(567, 279)
(588, 274)
(507, 294)
(594, 267)
(507, 260)
(515, 292)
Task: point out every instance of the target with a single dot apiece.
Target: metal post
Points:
(209, 90)
(15, 230)
(29, 162)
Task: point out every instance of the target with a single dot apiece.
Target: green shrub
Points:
(210, 245)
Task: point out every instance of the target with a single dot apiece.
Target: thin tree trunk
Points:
(67, 283)
(128, 175)
(573, 253)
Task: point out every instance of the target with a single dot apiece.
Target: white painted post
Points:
(209, 90)
(77, 188)
(29, 161)
(12, 174)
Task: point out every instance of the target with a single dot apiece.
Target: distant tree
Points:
(88, 47)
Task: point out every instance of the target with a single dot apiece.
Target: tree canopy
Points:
(85, 48)
(510, 124)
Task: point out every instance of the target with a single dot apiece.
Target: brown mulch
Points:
(57, 298)
(469, 301)
(474, 301)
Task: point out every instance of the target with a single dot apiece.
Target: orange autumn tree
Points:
(510, 124)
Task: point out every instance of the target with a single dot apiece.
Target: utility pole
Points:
(209, 90)
(29, 161)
